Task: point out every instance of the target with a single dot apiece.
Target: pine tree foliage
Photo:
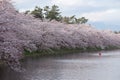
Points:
(38, 13)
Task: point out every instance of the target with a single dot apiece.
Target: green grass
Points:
(52, 52)
(1, 62)
(63, 51)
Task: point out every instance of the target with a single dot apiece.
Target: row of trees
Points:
(53, 13)
(117, 32)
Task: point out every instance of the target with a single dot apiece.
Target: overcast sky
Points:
(102, 11)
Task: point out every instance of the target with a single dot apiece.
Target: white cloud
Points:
(94, 10)
(24, 9)
(106, 16)
(92, 3)
(68, 3)
(23, 5)
(18, 1)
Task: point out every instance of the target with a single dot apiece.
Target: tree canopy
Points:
(38, 12)
(53, 13)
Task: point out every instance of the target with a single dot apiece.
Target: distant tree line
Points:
(53, 13)
(117, 32)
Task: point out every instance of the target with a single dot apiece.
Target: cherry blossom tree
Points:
(20, 32)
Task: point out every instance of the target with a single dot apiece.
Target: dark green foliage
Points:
(83, 20)
(53, 13)
(66, 20)
(74, 20)
(1, 62)
(69, 20)
(52, 52)
(63, 51)
(117, 32)
(46, 9)
(38, 13)
(27, 12)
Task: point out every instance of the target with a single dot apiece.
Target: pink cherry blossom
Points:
(19, 32)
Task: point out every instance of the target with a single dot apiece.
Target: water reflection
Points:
(87, 66)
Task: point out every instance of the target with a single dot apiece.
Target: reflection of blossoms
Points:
(19, 32)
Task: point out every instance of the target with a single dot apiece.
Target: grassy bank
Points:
(63, 51)
(1, 62)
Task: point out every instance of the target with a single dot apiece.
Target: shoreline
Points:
(1, 62)
(64, 51)
(59, 52)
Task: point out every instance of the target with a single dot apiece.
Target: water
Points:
(83, 66)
